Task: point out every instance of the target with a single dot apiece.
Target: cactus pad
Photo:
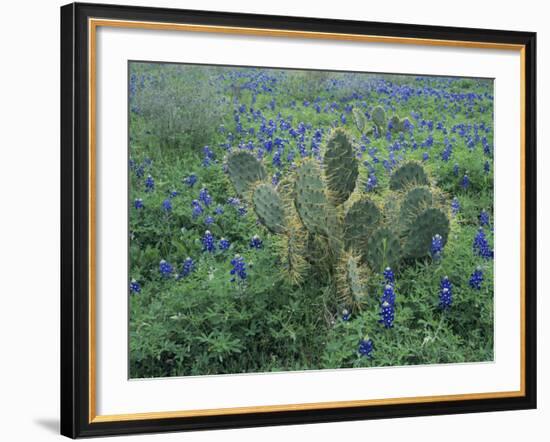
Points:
(352, 281)
(379, 117)
(244, 170)
(421, 231)
(416, 200)
(360, 120)
(341, 166)
(409, 174)
(360, 222)
(269, 207)
(394, 121)
(383, 250)
(310, 198)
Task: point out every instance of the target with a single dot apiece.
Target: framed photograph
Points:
(274, 220)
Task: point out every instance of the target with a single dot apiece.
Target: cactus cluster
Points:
(329, 225)
(380, 121)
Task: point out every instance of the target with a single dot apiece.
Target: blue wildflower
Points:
(425, 156)
(455, 206)
(173, 193)
(465, 182)
(208, 156)
(256, 242)
(205, 197)
(149, 184)
(224, 244)
(190, 180)
(389, 275)
(476, 279)
(372, 182)
(481, 245)
(241, 211)
(165, 268)
(366, 347)
(484, 218)
(197, 208)
(455, 169)
(218, 210)
(138, 203)
(208, 242)
(387, 306)
(239, 268)
(134, 286)
(486, 167)
(167, 205)
(437, 246)
(445, 293)
(187, 268)
(346, 315)
(209, 220)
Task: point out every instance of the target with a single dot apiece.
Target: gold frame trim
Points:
(93, 24)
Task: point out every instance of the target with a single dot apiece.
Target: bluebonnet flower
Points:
(445, 293)
(465, 182)
(167, 205)
(276, 161)
(372, 182)
(149, 184)
(134, 286)
(208, 156)
(389, 275)
(165, 268)
(387, 306)
(484, 218)
(476, 279)
(233, 201)
(486, 167)
(209, 220)
(481, 245)
(239, 268)
(346, 315)
(437, 246)
(446, 154)
(205, 197)
(140, 171)
(455, 206)
(275, 178)
(224, 244)
(242, 211)
(190, 180)
(218, 210)
(173, 193)
(138, 203)
(187, 268)
(208, 244)
(366, 347)
(197, 208)
(425, 156)
(455, 169)
(256, 242)
(343, 119)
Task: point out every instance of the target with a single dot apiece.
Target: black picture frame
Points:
(75, 220)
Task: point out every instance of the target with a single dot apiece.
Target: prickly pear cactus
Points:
(340, 166)
(329, 227)
(244, 170)
(352, 281)
(269, 207)
(360, 121)
(383, 250)
(416, 200)
(311, 200)
(408, 175)
(427, 224)
(379, 118)
(360, 221)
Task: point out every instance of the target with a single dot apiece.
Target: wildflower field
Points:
(303, 220)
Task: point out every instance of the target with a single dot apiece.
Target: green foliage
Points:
(379, 118)
(383, 250)
(427, 224)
